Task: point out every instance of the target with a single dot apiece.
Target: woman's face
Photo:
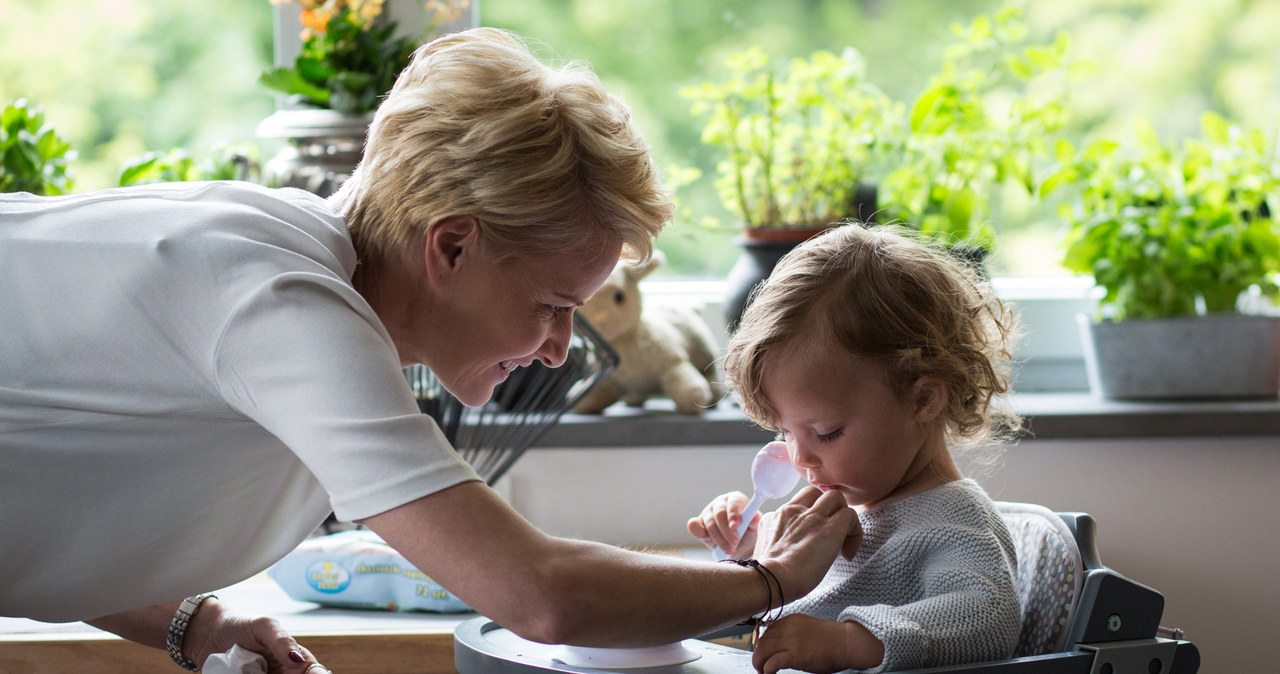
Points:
(495, 316)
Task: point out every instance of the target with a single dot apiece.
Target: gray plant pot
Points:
(1184, 358)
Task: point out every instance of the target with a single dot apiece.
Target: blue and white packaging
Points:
(357, 569)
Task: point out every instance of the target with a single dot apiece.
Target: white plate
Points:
(600, 658)
(625, 658)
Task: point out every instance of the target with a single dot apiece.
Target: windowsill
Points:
(1050, 381)
(1047, 416)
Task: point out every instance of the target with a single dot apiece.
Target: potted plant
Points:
(982, 122)
(348, 58)
(33, 157)
(798, 145)
(1179, 237)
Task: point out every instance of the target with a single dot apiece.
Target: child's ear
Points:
(929, 395)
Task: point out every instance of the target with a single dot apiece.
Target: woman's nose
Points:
(555, 350)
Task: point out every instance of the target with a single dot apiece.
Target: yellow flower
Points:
(445, 11)
(366, 10)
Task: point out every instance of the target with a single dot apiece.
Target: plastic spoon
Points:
(772, 476)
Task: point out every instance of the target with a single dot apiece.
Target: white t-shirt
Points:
(188, 383)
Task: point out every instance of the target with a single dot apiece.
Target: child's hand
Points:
(814, 645)
(717, 526)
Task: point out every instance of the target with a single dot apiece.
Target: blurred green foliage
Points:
(224, 161)
(33, 157)
(123, 77)
(1174, 228)
(799, 139)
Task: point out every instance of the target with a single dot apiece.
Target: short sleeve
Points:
(305, 357)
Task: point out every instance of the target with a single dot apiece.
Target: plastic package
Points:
(356, 569)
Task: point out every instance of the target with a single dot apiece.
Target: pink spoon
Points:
(772, 476)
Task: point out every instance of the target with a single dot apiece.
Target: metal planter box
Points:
(1185, 358)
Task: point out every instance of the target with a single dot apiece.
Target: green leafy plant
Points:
(798, 141)
(984, 121)
(350, 56)
(225, 161)
(35, 157)
(1171, 230)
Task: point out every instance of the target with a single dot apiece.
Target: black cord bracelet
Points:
(770, 581)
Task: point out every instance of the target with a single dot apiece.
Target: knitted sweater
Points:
(933, 580)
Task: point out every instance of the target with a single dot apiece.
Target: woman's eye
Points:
(553, 310)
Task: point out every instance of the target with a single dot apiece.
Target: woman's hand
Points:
(814, 645)
(717, 525)
(215, 630)
(798, 541)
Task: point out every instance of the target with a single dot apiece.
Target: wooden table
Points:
(348, 641)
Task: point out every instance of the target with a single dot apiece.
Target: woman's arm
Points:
(557, 590)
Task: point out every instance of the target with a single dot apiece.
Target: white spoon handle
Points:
(747, 513)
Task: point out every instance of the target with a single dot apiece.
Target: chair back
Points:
(1049, 575)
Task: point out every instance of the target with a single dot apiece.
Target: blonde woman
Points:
(193, 375)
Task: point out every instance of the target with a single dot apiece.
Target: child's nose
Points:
(801, 457)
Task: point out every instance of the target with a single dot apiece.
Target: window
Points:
(121, 78)
(1167, 62)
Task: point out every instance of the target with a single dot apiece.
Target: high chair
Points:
(1078, 617)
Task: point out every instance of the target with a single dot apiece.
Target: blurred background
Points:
(121, 77)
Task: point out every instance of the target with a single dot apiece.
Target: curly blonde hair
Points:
(476, 125)
(883, 293)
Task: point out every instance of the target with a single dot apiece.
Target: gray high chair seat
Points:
(1078, 617)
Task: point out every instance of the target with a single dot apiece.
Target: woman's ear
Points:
(449, 242)
(929, 395)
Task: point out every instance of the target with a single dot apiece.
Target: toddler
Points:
(871, 353)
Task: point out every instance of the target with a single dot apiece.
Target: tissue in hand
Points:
(236, 660)
(356, 569)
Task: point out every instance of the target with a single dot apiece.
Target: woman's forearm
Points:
(148, 626)
(557, 590)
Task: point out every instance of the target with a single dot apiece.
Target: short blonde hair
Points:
(883, 293)
(545, 158)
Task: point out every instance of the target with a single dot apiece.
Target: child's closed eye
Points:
(830, 437)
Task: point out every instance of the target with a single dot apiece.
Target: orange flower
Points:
(316, 14)
(315, 20)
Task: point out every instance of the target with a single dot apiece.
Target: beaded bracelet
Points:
(178, 630)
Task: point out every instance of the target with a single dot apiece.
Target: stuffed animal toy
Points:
(663, 350)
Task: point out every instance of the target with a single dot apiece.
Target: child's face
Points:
(846, 429)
